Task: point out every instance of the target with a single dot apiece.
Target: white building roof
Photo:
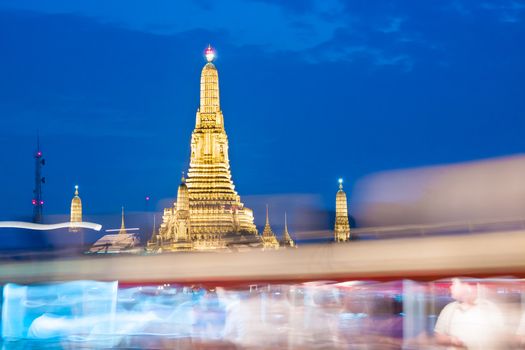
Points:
(115, 243)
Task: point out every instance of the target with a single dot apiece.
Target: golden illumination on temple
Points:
(208, 212)
(268, 237)
(76, 211)
(342, 227)
(174, 233)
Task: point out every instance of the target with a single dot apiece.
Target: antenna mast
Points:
(38, 200)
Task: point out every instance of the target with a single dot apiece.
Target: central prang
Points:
(212, 216)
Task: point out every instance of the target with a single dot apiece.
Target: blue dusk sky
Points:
(311, 91)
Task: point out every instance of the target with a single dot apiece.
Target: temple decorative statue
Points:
(76, 212)
(208, 213)
(342, 228)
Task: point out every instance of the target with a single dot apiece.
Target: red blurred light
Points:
(209, 50)
(41, 202)
(147, 198)
(33, 201)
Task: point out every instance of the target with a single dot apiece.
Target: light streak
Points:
(46, 227)
(127, 229)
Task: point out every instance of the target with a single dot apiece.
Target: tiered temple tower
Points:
(268, 237)
(76, 211)
(286, 240)
(216, 213)
(342, 228)
(174, 233)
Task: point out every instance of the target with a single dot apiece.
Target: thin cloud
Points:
(459, 8)
(269, 25)
(509, 12)
(393, 26)
(504, 11)
(375, 56)
(258, 23)
(403, 61)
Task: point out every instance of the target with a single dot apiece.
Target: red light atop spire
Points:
(209, 53)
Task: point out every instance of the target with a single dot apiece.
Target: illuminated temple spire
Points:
(215, 207)
(268, 237)
(287, 240)
(208, 213)
(342, 227)
(209, 100)
(183, 200)
(122, 225)
(76, 211)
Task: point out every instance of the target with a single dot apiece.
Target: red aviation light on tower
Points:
(33, 201)
(209, 53)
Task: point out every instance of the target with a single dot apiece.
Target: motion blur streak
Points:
(483, 190)
(484, 255)
(316, 297)
(316, 315)
(45, 227)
